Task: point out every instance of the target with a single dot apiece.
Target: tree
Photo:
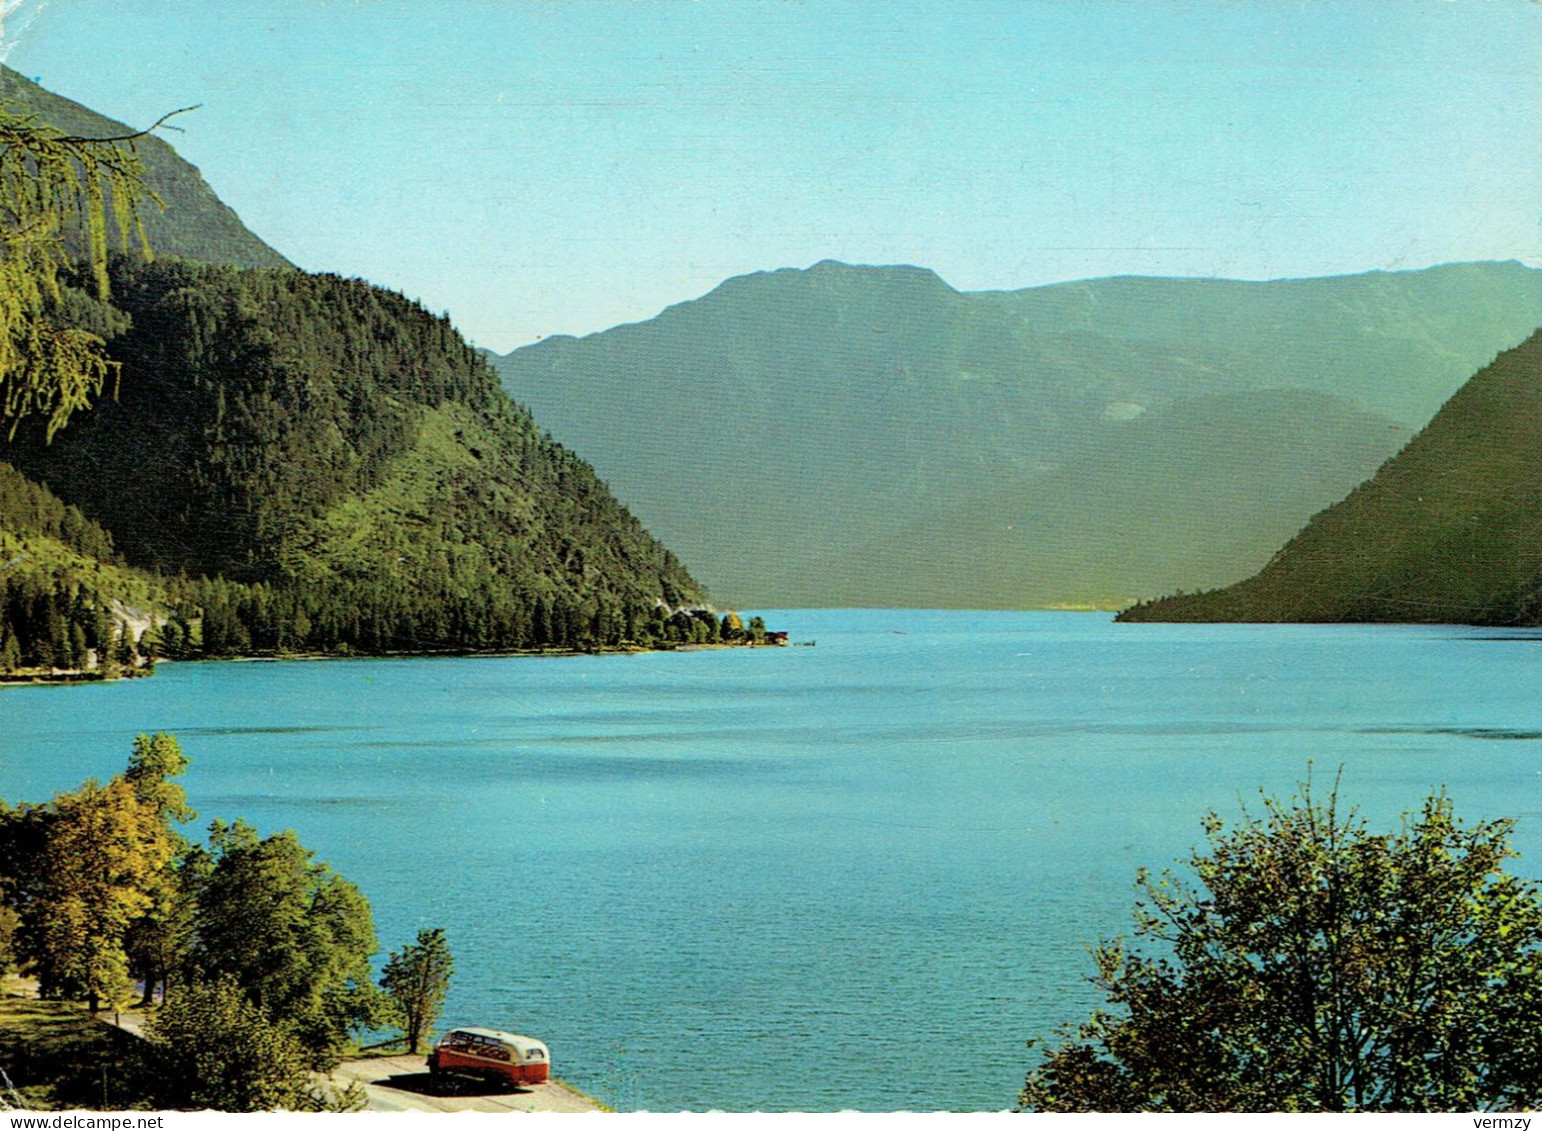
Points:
(155, 759)
(1311, 965)
(212, 1048)
(23, 833)
(104, 852)
(161, 935)
(417, 979)
(9, 921)
(295, 936)
(160, 942)
(48, 178)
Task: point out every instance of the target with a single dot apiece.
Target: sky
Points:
(537, 167)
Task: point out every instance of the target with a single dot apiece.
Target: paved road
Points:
(396, 1083)
(402, 1083)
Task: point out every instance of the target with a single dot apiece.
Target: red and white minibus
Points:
(491, 1053)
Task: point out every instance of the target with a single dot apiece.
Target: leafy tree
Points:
(104, 852)
(159, 939)
(212, 1048)
(296, 937)
(160, 942)
(417, 979)
(23, 833)
(1311, 965)
(90, 876)
(9, 921)
(270, 950)
(155, 759)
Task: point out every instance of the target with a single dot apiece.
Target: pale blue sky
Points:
(558, 167)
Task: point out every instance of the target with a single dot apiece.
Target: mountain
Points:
(864, 435)
(195, 224)
(317, 463)
(297, 462)
(62, 583)
(1448, 531)
(1152, 502)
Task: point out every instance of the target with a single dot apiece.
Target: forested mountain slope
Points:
(317, 463)
(293, 462)
(196, 224)
(64, 589)
(843, 435)
(1449, 531)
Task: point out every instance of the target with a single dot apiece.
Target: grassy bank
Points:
(57, 1057)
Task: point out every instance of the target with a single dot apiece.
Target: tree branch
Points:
(161, 121)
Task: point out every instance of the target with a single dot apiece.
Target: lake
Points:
(857, 875)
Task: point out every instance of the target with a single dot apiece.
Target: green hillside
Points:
(196, 224)
(1449, 531)
(791, 426)
(296, 463)
(316, 463)
(64, 590)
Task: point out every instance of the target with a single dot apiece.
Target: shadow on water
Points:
(1489, 734)
(521, 762)
(236, 802)
(216, 732)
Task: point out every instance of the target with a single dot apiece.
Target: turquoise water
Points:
(858, 875)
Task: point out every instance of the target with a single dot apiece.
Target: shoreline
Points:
(71, 679)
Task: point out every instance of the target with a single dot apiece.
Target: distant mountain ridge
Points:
(1153, 502)
(842, 434)
(196, 224)
(1448, 531)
